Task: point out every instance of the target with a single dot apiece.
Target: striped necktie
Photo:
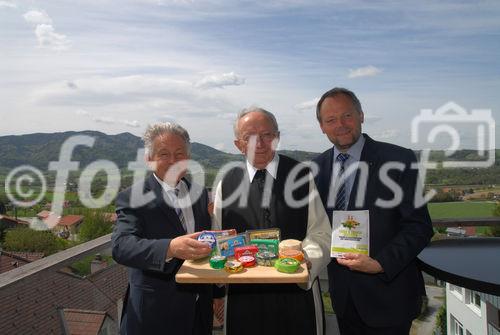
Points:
(341, 199)
(178, 210)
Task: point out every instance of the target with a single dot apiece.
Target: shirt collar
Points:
(166, 186)
(354, 151)
(271, 168)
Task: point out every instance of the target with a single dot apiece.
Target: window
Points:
(473, 301)
(456, 327)
(477, 300)
(457, 291)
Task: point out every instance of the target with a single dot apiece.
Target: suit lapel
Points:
(197, 207)
(326, 181)
(160, 202)
(370, 157)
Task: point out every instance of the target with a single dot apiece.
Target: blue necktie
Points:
(341, 199)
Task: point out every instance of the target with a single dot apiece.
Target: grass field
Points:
(466, 209)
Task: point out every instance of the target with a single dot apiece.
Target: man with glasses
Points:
(261, 194)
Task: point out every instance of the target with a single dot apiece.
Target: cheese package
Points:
(233, 266)
(222, 233)
(287, 265)
(290, 245)
(247, 261)
(263, 234)
(265, 258)
(266, 245)
(208, 238)
(247, 250)
(226, 245)
(290, 253)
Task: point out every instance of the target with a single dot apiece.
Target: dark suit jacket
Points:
(397, 235)
(155, 303)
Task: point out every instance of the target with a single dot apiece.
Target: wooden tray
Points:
(198, 272)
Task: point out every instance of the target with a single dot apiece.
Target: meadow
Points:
(462, 209)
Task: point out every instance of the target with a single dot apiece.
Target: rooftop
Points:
(82, 322)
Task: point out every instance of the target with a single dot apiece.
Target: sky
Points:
(117, 66)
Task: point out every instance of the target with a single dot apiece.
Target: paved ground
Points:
(331, 325)
(425, 324)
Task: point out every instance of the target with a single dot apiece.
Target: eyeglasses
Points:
(264, 137)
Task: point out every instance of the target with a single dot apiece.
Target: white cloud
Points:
(108, 119)
(166, 118)
(135, 94)
(133, 123)
(45, 32)
(37, 17)
(104, 119)
(307, 105)
(227, 116)
(367, 71)
(115, 89)
(81, 112)
(386, 134)
(220, 146)
(372, 118)
(48, 38)
(7, 4)
(219, 81)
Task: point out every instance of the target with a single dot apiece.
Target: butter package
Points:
(266, 245)
(263, 234)
(226, 244)
(247, 250)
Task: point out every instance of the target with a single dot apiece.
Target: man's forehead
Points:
(339, 100)
(167, 141)
(255, 121)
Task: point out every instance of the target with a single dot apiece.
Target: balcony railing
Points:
(26, 287)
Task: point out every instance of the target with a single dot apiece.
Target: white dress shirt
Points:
(182, 201)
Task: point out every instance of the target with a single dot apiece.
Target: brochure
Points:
(350, 233)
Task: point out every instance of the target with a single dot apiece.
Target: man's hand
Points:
(361, 263)
(187, 247)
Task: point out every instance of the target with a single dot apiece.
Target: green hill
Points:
(39, 149)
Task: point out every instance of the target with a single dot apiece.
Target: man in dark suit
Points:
(152, 238)
(273, 308)
(380, 293)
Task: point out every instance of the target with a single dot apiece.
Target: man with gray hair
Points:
(153, 240)
(279, 192)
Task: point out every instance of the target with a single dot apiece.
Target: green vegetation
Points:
(495, 230)
(327, 303)
(441, 323)
(82, 267)
(24, 239)
(461, 209)
(95, 224)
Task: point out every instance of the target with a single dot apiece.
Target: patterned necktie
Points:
(178, 210)
(341, 200)
(260, 179)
